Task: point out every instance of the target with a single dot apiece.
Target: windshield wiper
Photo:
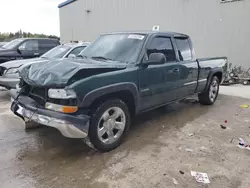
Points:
(103, 58)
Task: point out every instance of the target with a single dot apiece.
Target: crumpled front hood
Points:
(57, 73)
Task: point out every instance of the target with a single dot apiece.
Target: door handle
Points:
(36, 53)
(176, 70)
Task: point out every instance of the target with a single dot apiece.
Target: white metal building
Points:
(217, 27)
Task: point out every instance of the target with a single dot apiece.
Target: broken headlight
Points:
(61, 94)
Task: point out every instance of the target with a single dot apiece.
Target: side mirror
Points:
(18, 51)
(71, 56)
(156, 59)
(21, 48)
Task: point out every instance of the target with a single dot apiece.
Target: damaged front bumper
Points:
(71, 126)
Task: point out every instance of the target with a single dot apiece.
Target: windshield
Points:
(116, 47)
(12, 44)
(57, 52)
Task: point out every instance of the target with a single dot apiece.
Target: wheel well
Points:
(218, 75)
(126, 96)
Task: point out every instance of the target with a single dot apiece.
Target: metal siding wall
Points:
(216, 29)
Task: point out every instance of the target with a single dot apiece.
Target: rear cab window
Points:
(184, 48)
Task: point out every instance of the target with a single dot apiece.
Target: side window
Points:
(77, 50)
(162, 45)
(46, 45)
(29, 45)
(184, 49)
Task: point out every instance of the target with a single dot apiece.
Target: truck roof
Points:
(175, 34)
(28, 38)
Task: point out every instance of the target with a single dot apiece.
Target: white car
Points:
(9, 77)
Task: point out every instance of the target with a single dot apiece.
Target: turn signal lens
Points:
(60, 108)
(69, 109)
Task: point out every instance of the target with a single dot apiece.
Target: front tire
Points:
(210, 95)
(108, 125)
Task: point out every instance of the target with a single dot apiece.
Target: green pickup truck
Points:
(120, 75)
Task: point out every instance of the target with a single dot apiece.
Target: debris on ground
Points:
(223, 126)
(191, 134)
(189, 150)
(231, 140)
(241, 142)
(203, 148)
(243, 145)
(175, 181)
(244, 106)
(200, 177)
(181, 172)
(55, 179)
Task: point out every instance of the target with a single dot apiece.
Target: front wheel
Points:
(210, 95)
(109, 123)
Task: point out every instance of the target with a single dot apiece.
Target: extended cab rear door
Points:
(188, 66)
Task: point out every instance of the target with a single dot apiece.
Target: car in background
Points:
(25, 48)
(9, 77)
(2, 43)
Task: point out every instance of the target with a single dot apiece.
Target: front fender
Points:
(99, 92)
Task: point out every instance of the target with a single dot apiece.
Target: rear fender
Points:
(210, 76)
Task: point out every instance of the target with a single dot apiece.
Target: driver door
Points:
(158, 83)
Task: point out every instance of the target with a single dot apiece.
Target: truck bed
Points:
(208, 66)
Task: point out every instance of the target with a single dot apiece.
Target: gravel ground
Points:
(160, 144)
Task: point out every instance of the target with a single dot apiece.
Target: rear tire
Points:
(209, 96)
(108, 125)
